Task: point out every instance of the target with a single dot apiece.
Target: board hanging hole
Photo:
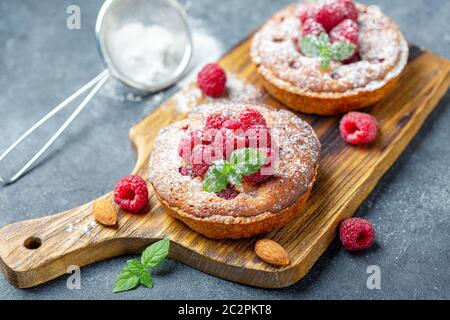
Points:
(32, 243)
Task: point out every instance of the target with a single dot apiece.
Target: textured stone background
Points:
(41, 63)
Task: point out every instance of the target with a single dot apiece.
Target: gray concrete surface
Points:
(42, 62)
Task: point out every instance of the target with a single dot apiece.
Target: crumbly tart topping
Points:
(382, 48)
(295, 167)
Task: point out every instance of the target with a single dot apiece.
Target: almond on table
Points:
(105, 213)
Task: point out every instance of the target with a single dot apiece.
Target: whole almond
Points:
(271, 252)
(105, 213)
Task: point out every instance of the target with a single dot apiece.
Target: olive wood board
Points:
(35, 251)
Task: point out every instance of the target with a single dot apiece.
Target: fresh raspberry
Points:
(233, 124)
(228, 194)
(347, 30)
(251, 117)
(202, 137)
(211, 80)
(352, 59)
(356, 234)
(351, 12)
(187, 171)
(358, 127)
(259, 137)
(215, 121)
(307, 13)
(196, 137)
(202, 157)
(227, 140)
(312, 27)
(185, 148)
(266, 171)
(131, 193)
(334, 12)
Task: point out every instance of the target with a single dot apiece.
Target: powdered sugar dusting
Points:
(83, 228)
(382, 47)
(237, 90)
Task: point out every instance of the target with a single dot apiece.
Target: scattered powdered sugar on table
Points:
(237, 90)
(117, 91)
(85, 229)
(207, 49)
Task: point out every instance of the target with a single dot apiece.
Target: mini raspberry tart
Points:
(329, 57)
(246, 189)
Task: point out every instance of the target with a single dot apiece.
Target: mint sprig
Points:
(321, 47)
(243, 162)
(136, 272)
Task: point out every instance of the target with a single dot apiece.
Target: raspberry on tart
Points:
(312, 27)
(347, 30)
(258, 136)
(278, 183)
(228, 140)
(250, 117)
(364, 57)
(195, 138)
(215, 121)
(266, 171)
(202, 157)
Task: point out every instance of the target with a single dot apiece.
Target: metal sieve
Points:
(113, 15)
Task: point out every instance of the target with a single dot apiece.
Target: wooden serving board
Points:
(35, 251)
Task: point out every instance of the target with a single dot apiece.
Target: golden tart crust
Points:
(297, 80)
(269, 205)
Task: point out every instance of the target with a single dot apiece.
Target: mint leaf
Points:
(309, 46)
(324, 40)
(135, 266)
(234, 177)
(247, 161)
(243, 162)
(146, 279)
(322, 48)
(136, 273)
(216, 178)
(127, 280)
(342, 50)
(325, 62)
(155, 254)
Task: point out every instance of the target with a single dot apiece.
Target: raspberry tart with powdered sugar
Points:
(329, 56)
(235, 170)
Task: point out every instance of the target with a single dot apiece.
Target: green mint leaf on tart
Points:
(309, 46)
(216, 178)
(247, 161)
(243, 162)
(342, 50)
(155, 254)
(234, 177)
(136, 273)
(322, 48)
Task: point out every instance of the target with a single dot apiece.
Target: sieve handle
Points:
(98, 81)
